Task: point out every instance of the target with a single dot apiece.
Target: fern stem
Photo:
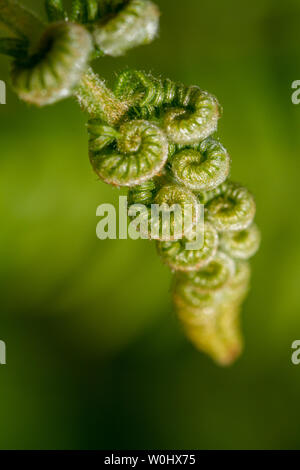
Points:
(98, 100)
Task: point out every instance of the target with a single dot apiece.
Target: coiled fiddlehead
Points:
(173, 213)
(213, 276)
(203, 167)
(144, 193)
(51, 62)
(154, 136)
(146, 93)
(52, 73)
(55, 10)
(233, 210)
(194, 119)
(178, 257)
(126, 24)
(188, 114)
(242, 244)
(211, 319)
(137, 152)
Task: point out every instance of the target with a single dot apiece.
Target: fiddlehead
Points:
(179, 258)
(202, 167)
(154, 136)
(233, 210)
(52, 73)
(146, 93)
(195, 117)
(171, 224)
(172, 214)
(188, 114)
(206, 196)
(136, 153)
(241, 244)
(55, 60)
(125, 24)
(214, 276)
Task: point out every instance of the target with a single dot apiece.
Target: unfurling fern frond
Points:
(136, 153)
(53, 72)
(129, 24)
(155, 137)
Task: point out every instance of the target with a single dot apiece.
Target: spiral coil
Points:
(170, 212)
(51, 60)
(155, 137)
(234, 209)
(188, 114)
(241, 244)
(139, 152)
(213, 276)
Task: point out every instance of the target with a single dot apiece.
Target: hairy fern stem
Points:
(157, 138)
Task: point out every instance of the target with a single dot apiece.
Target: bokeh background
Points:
(95, 356)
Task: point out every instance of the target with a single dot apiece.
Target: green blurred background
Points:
(95, 356)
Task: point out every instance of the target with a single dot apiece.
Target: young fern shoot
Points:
(155, 137)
